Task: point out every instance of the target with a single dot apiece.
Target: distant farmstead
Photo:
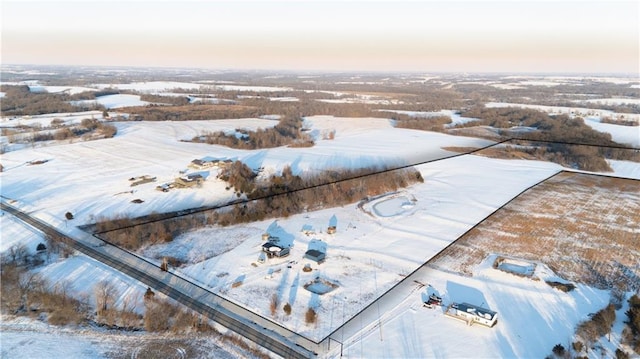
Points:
(208, 162)
(472, 314)
(191, 180)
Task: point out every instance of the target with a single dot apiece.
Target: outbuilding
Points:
(315, 255)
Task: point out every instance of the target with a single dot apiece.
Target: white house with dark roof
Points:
(472, 314)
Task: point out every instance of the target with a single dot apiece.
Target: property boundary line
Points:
(187, 212)
(328, 337)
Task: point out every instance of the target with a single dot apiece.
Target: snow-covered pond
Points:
(517, 266)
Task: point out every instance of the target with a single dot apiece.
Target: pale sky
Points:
(469, 36)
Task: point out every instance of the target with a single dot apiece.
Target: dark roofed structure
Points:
(315, 255)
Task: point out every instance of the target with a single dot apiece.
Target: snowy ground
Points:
(376, 244)
(26, 338)
(113, 101)
(163, 86)
(532, 318)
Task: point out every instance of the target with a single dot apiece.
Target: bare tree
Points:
(105, 292)
(18, 253)
(29, 284)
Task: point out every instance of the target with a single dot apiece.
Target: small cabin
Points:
(308, 230)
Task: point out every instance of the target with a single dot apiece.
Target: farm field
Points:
(572, 226)
(553, 232)
(583, 226)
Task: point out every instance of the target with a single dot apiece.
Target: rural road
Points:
(260, 330)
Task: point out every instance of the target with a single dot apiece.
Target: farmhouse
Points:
(208, 162)
(191, 180)
(273, 249)
(472, 314)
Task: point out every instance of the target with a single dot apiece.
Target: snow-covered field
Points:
(456, 119)
(376, 245)
(113, 101)
(100, 186)
(613, 101)
(164, 86)
(26, 338)
(532, 318)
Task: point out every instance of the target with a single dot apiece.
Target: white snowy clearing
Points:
(113, 101)
(377, 243)
(456, 119)
(613, 101)
(44, 120)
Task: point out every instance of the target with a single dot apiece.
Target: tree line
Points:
(281, 196)
(562, 130)
(288, 132)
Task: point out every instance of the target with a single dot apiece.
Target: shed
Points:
(307, 229)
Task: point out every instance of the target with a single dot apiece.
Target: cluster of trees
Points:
(239, 176)
(191, 112)
(632, 334)
(562, 130)
(288, 132)
(435, 123)
(172, 100)
(26, 293)
(600, 325)
(19, 101)
(87, 129)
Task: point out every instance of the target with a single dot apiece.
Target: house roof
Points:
(478, 311)
(312, 253)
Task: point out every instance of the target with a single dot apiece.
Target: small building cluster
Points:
(186, 181)
(208, 162)
(190, 180)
